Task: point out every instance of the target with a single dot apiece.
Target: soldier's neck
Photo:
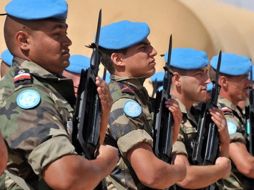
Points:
(186, 102)
(228, 97)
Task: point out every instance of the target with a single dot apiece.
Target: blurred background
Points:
(209, 25)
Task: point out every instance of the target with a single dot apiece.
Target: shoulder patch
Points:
(132, 108)
(126, 89)
(226, 110)
(22, 77)
(232, 126)
(248, 127)
(28, 99)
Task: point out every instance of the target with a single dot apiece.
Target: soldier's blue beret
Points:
(37, 9)
(7, 57)
(123, 34)
(77, 63)
(187, 58)
(232, 64)
(252, 67)
(158, 76)
(209, 86)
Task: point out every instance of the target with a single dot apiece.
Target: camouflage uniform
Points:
(234, 115)
(128, 131)
(188, 134)
(39, 135)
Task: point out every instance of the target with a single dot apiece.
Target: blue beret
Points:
(232, 64)
(209, 87)
(252, 73)
(77, 63)
(37, 9)
(123, 34)
(7, 57)
(158, 76)
(187, 58)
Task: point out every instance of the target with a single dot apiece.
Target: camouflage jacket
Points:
(130, 124)
(187, 133)
(236, 128)
(35, 121)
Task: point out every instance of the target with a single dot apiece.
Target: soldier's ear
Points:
(223, 82)
(177, 79)
(22, 39)
(117, 59)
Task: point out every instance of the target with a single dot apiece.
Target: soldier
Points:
(36, 104)
(130, 58)
(6, 57)
(77, 63)
(234, 84)
(189, 86)
(4, 155)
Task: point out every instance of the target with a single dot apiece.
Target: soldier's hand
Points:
(104, 94)
(225, 165)
(221, 123)
(110, 153)
(106, 103)
(173, 107)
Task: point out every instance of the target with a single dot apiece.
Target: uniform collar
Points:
(133, 81)
(227, 103)
(181, 105)
(186, 113)
(34, 68)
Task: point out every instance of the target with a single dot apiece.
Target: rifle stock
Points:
(164, 120)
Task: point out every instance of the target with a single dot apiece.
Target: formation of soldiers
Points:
(37, 105)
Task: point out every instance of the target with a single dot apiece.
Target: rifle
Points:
(87, 115)
(164, 120)
(206, 152)
(86, 120)
(251, 118)
(156, 86)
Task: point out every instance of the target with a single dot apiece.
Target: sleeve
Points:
(126, 130)
(235, 129)
(38, 131)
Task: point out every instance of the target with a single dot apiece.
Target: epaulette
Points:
(226, 111)
(22, 77)
(126, 89)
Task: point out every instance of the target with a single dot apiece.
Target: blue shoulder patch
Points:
(232, 127)
(132, 108)
(28, 99)
(248, 127)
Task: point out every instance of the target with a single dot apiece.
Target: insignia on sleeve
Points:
(232, 127)
(248, 127)
(28, 99)
(22, 77)
(132, 108)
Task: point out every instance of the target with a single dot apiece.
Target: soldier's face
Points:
(238, 87)
(49, 46)
(193, 85)
(139, 60)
